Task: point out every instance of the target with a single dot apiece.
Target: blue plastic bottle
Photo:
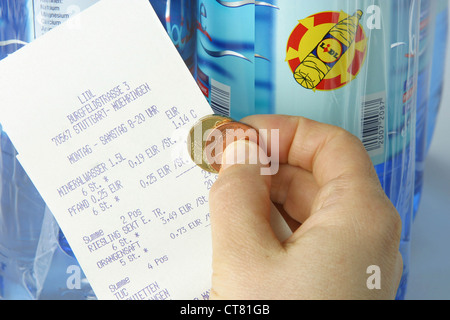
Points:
(179, 19)
(264, 55)
(46, 17)
(438, 68)
(426, 43)
(21, 208)
(16, 25)
(397, 172)
(28, 231)
(363, 79)
(226, 55)
(50, 14)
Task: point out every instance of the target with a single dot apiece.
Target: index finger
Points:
(325, 150)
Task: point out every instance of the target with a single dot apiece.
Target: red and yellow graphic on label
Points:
(327, 50)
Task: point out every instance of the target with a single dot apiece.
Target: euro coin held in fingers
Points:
(211, 135)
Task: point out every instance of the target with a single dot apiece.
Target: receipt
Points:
(99, 111)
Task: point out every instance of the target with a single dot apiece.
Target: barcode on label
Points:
(220, 98)
(373, 124)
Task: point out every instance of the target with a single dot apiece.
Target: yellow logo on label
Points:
(327, 50)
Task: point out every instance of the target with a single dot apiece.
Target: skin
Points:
(329, 193)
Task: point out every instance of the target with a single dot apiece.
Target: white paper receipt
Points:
(99, 110)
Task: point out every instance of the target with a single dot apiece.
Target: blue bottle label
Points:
(331, 61)
(179, 19)
(342, 64)
(50, 14)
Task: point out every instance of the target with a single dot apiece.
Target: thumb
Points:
(240, 208)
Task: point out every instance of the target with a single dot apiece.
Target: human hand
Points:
(328, 190)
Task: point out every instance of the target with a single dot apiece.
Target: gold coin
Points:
(198, 137)
(222, 136)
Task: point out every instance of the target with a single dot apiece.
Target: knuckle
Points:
(387, 224)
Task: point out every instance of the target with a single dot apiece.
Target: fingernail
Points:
(243, 152)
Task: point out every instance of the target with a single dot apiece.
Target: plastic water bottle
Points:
(426, 43)
(226, 55)
(65, 280)
(397, 173)
(46, 17)
(21, 208)
(179, 19)
(16, 25)
(353, 64)
(28, 231)
(50, 14)
(265, 14)
(364, 80)
(437, 72)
